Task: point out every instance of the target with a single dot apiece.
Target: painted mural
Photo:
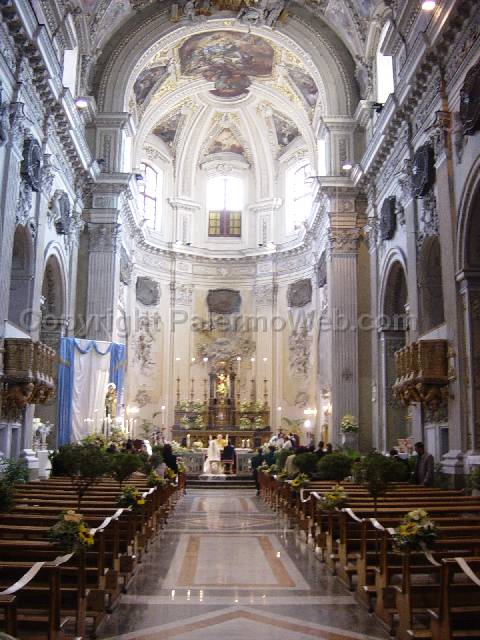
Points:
(304, 83)
(227, 58)
(226, 142)
(285, 129)
(148, 79)
(167, 129)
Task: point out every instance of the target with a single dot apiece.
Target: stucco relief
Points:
(299, 293)
(143, 345)
(147, 291)
(183, 294)
(299, 346)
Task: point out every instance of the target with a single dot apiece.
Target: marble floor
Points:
(226, 567)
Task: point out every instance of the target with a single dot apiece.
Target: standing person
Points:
(270, 457)
(256, 461)
(424, 466)
(320, 452)
(169, 458)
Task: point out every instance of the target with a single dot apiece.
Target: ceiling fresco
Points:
(226, 142)
(167, 129)
(285, 129)
(148, 79)
(228, 58)
(304, 83)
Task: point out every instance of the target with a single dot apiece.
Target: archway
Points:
(468, 259)
(430, 285)
(392, 338)
(52, 326)
(21, 278)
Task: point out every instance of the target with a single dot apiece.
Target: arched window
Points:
(150, 195)
(298, 195)
(224, 204)
(385, 84)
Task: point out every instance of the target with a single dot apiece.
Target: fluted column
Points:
(103, 278)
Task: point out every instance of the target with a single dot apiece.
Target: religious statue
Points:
(111, 401)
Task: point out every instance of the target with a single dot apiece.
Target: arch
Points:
(21, 278)
(136, 44)
(395, 261)
(430, 284)
(53, 300)
(468, 267)
(392, 336)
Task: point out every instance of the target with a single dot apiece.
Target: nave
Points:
(228, 567)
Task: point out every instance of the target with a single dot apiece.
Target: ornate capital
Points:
(344, 240)
(103, 237)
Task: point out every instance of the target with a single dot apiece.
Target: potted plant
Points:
(334, 466)
(349, 428)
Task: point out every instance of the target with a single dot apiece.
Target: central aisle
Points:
(226, 569)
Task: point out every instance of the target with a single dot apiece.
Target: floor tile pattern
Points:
(228, 567)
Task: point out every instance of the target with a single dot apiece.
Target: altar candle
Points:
(243, 443)
(188, 440)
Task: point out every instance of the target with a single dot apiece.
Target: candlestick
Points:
(205, 385)
(192, 391)
(178, 390)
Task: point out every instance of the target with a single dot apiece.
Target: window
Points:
(150, 195)
(384, 70)
(224, 205)
(298, 196)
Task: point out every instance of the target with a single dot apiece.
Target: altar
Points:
(194, 460)
(246, 424)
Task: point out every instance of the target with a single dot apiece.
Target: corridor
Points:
(226, 567)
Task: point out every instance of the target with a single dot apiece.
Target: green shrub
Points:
(281, 456)
(473, 479)
(440, 478)
(6, 496)
(14, 471)
(377, 471)
(306, 463)
(84, 464)
(334, 466)
(123, 465)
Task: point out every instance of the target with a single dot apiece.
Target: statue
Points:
(111, 401)
(253, 13)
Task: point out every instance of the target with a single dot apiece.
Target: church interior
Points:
(239, 319)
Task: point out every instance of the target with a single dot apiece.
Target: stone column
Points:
(446, 212)
(103, 278)
(343, 306)
(410, 210)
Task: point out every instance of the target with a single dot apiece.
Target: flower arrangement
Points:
(349, 424)
(199, 422)
(283, 475)
(272, 470)
(300, 481)
(71, 532)
(336, 498)
(245, 423)
(131, 497)
(154, 480)
(183, 405)
(416, 531)
(170, 475)
(181, 467)
(249, 406)
(198, 444)
(259, 423)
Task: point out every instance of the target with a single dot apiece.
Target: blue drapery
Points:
(66, 377)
